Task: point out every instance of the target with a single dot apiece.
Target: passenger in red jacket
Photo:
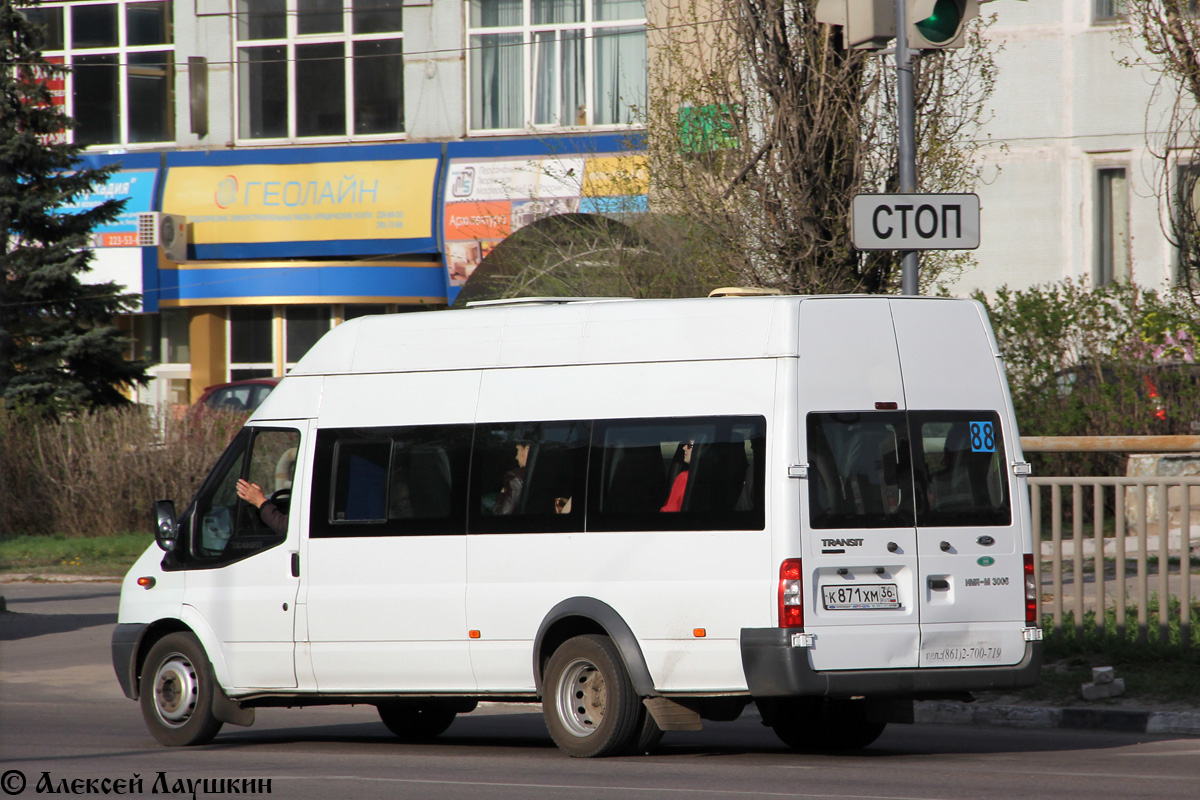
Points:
(680, 465)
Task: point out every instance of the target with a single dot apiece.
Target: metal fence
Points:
(1112, 544)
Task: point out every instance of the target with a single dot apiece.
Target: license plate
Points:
(860, 596)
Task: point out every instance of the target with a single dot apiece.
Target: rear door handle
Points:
(939, 584)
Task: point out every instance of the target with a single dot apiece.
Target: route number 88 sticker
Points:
(983, 437)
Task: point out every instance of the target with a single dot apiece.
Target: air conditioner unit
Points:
(168, 232)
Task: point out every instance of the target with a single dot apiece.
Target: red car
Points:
(244, 395)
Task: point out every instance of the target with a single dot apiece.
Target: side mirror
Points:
(166, 529)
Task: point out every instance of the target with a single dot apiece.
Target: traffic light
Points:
(938, 24)
(871, 24)
(865, 24)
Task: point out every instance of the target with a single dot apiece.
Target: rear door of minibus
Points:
(970, 506)
(858, 543)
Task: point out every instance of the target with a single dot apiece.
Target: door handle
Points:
(295, 565)
(939, 584)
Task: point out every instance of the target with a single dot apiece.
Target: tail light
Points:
(1031, 593)
(791, 595)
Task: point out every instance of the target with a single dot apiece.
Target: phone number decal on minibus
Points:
(864, 596)
(973, 652)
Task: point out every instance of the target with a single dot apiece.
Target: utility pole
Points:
(906, 135)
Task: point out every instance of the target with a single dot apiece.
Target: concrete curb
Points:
(1096, 719)
(32, 577)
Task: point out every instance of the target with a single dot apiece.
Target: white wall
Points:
(1064, 106)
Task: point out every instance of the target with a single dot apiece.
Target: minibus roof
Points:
(566, 331)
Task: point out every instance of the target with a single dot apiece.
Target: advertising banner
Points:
(330, 202)
(489, 199)
(136, 186)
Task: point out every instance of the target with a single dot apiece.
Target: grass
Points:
(1157, 674)
(1166, 684)
(106, 556)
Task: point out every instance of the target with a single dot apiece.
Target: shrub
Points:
(1082, 361)
(98, 473)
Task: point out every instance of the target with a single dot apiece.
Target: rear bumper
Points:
(774, 668)
(125, 641)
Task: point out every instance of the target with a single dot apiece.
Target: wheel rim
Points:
(176, 690)
(581, 697)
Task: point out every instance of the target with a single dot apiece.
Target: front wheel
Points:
(176, 690)
(589, 703)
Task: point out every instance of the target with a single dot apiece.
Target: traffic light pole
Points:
(906, 137)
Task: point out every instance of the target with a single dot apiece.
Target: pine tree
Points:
(58, 347)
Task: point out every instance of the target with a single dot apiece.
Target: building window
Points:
(556, 63)
(1185, 222)
(304, 325)
(175, 336)
(1108, 10)
(256, 334)
(251, 342)
(120, 56)
(319, 68)
(1112, 226)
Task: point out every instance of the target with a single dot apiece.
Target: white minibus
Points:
(640, 513)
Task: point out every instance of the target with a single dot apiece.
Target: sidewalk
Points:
(1125, 720)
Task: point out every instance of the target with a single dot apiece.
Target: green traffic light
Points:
(943, 24)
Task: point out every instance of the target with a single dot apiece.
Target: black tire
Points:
(176, 691)
(588, 701)
(415, 721)
(649, 735)
(818, 724)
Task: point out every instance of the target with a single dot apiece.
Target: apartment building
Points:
(1071, 181)
(289, 164)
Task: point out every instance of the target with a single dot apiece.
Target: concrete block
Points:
(1185, 722)
(1101, 691)
(1103, 674)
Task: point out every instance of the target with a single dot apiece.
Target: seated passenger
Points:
(679, 468)
(514, 483)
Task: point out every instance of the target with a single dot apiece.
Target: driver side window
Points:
(227, 529)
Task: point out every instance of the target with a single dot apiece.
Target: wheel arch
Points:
(576, 616)
(150, 636)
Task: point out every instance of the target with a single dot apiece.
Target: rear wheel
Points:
(589, 703)
(176, 692)
(415, 721)
(811, 724)
(649, 735)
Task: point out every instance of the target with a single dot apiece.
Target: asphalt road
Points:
(64, 722)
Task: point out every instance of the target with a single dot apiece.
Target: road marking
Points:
(593, 788)
(1171, 753)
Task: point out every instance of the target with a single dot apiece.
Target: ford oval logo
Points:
(985, 561)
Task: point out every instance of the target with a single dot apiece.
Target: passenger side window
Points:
(961, 479)
(529, 477)
(859, 470)
(390, 481)
(697, 473)
(226, 529)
